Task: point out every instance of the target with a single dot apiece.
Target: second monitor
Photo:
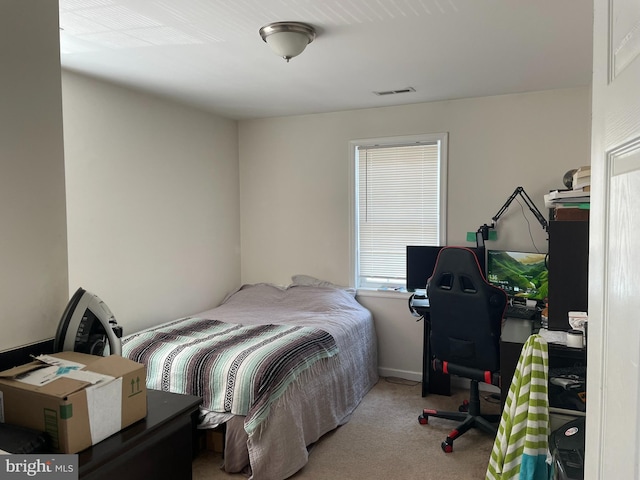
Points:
(421, 260)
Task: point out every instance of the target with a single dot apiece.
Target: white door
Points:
(613, 378)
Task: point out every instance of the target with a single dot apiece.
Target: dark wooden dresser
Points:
(160, 446)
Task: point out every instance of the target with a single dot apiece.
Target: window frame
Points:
(442, 139)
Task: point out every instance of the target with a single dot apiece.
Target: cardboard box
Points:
(215, 440)
(78, 399)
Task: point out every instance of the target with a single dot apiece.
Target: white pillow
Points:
(309, 281)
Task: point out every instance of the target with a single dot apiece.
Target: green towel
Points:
(521, 447)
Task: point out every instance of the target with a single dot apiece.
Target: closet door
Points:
(613, 372)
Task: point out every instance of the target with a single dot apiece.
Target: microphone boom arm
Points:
(483, 232)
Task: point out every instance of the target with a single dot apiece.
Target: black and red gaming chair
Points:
(466, 319)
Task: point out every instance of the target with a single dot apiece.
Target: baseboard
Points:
(405, 374)
(456, 382)
(485, 387)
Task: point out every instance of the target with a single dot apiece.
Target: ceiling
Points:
(208, 53)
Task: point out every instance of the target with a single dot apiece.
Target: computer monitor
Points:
(522, 275)
(421, 260)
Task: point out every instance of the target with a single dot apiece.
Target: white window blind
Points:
(399, 204)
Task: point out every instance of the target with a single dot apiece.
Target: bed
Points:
(307, 357)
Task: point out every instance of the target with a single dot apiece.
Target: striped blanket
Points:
(520, 450)
(238, 369)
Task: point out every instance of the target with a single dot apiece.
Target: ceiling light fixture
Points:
(288, 39)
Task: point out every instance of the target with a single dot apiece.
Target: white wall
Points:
(157, 219)
(159, 208)
(152, 202)
(295, 188)
(33, 256)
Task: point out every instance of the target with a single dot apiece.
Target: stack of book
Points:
(574, 203)
(582, 179)
(568, 199)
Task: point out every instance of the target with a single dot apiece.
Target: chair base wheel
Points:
(469, 414)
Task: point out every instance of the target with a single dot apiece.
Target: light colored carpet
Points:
(383, 439)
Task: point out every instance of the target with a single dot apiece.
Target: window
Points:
(399, 200)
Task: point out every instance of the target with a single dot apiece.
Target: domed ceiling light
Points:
(288, 39)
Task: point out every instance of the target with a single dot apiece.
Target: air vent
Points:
(395, 92)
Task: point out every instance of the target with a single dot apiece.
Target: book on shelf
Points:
(582, 172)
(567, 198)
(581, 182)
(574, 205)
(581, 177)
(571, 213)
(565, 194)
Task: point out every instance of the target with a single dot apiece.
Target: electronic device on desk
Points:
(567, 450)
(567, 388)
(521, 310)
(417, 302)
(88, 326)
(523, 276)
(421, 260)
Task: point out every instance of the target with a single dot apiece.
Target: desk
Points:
(432, 380)
(158, 446)
(560, 356)
(514, 333)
